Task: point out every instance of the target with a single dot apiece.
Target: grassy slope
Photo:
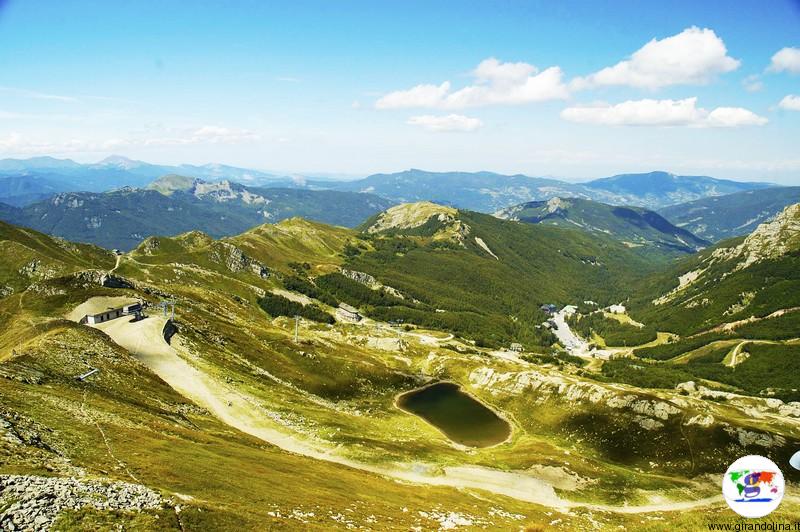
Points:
(123, 218)
(534, 265)
(651, 234)
(318, 394)
(155, 437)
(721, 217)
(775, 285)
(296, 240)
(44, 256)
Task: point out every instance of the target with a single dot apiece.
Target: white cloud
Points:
(419, 96)
(205, 135)
(217, 134)
(450, 122)
(693, 57)
(36, 95)
(753, 83)
(661, 113)
(786, 60)
(733, 117)
(496, 83)
(790, 102)
(16, 143)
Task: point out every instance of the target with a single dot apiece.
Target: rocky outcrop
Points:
(769, 241)
(748, 438)
(547, 386)
(149, 246)
(360, 277)
(237, 261)
(103, 278)
(36, 270)
(410, 216)
(370, 281)
(6, 291)
(34, 503)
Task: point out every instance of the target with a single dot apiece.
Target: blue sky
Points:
(569, 89)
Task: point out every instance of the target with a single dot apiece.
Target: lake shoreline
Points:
(459, 389)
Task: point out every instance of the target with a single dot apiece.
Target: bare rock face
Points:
(34, 503)
(237, 261)
(36, 270)
(651, 412)
(150, 245)
(370, 281)
(409, 216)
(749, 438)
(360, 277)
(770, 240)
(102, 278)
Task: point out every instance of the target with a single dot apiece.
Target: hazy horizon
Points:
(337, 176)
(571, 90)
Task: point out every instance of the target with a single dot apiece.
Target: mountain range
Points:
(719, 217)
(43, 174)
(174, 204)
(490, 192)
(477, 191)
(635, 227)
(739, 279)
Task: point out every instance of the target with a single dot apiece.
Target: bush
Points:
(674, 349)
(612, 331)
(645, 374)
(276, 305)
(352, 292)
(559, 359)
(304, 286)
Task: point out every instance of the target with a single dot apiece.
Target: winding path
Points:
(145, 340)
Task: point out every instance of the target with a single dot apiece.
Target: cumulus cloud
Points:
(419, 96)
(452, 122)
(693, 57)
(786, 60)
(752, 83)
(661, 113)
(790, 102)
(495, 83)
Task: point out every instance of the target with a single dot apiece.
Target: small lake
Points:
(459, 416)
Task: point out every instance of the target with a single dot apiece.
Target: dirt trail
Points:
(145, 340)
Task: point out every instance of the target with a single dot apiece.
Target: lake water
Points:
(459, 416)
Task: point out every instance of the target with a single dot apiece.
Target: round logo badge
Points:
(753, 486)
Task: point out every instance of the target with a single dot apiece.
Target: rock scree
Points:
(34, 502)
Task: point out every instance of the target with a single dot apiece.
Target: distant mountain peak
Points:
(556, 204)
(119, 161)
(411, 216)
(171, 183)
(636, 227)
(422, 218)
